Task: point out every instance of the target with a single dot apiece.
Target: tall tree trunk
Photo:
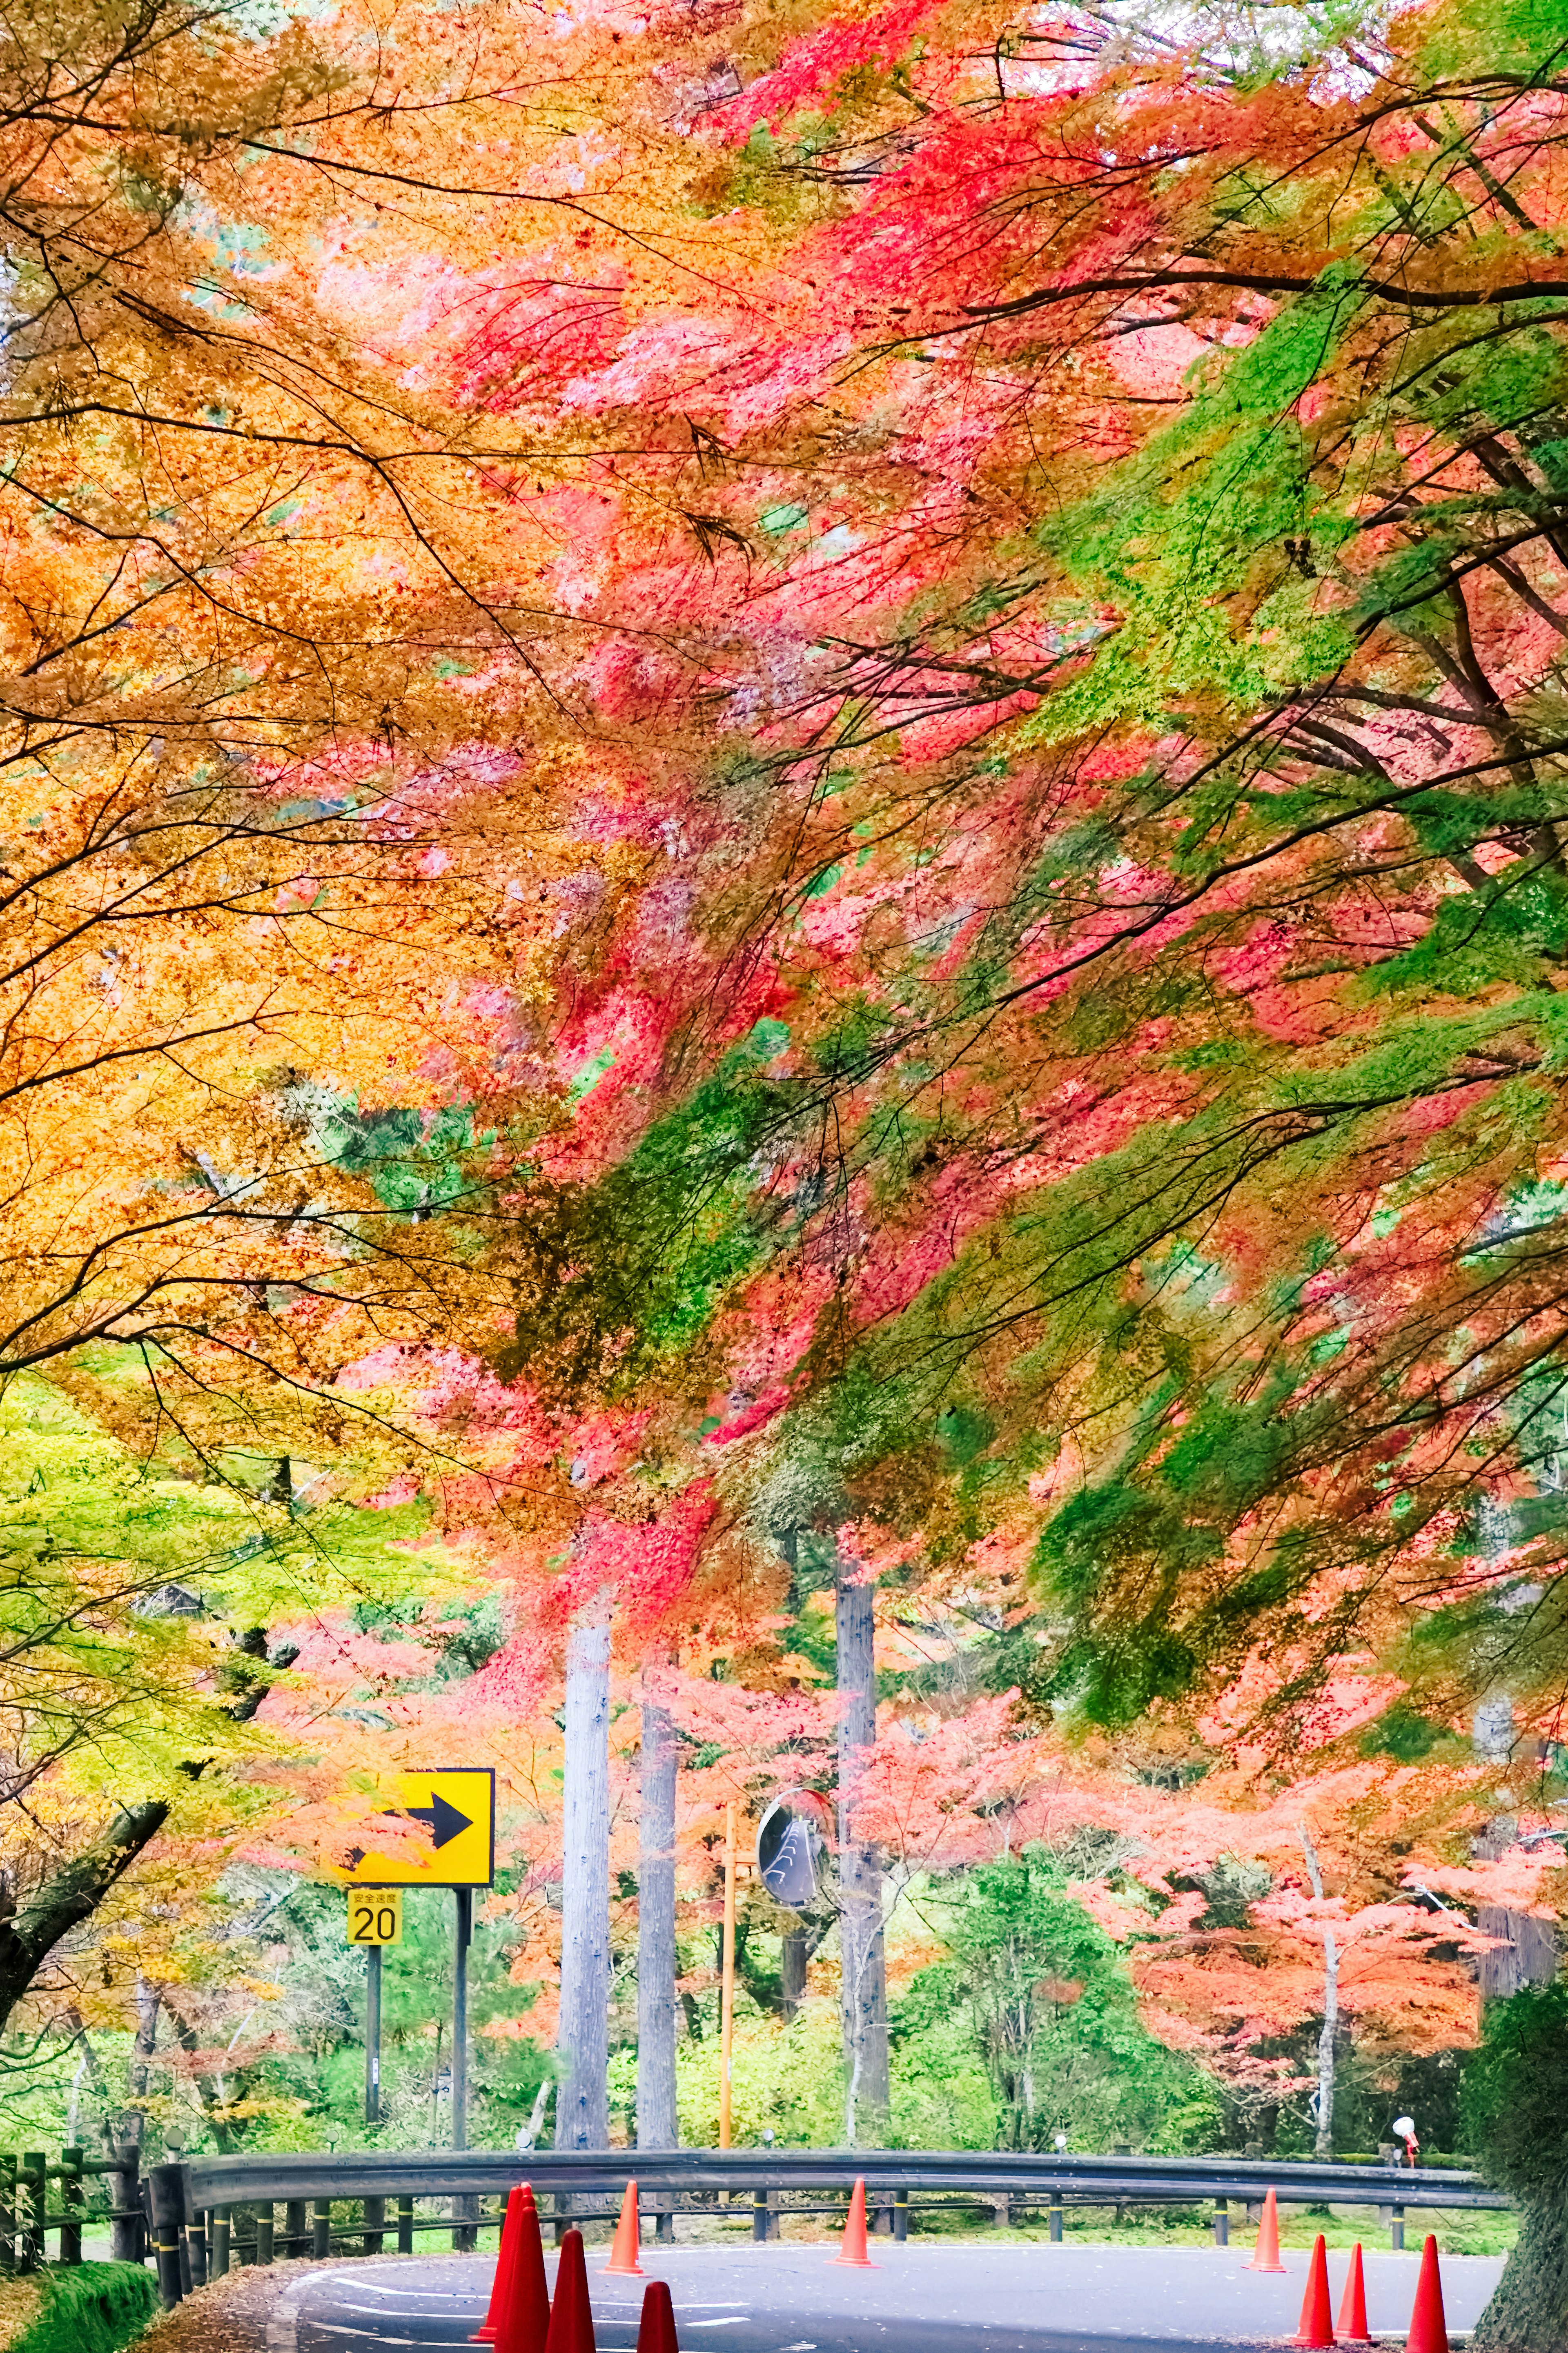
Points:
(864, 1995)
(1330, 2026)
(133, 2119)
(582, 2104)
(657, 2126)
(67, 1897)
(1525, 1950)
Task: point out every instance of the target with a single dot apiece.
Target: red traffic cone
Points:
(1429, 2330)
(1352, 2324)
(657, 2331)
(1315, 2327)
(853, 2248)
(505, 2264)
(522, 2317)
(1265, 2254)
(628, 2238)
(571, 2315)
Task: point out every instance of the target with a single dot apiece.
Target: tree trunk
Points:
(67, 1897)
(864, 1995)
(1529, 2311)
(582, 2104)
(133, 2120)
(1325, 2142)
(657, 2126)
(1525, 1950)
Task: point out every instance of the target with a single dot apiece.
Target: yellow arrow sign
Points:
(451, 1814)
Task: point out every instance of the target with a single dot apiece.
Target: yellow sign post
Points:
(440, 1832)
(375, 1915)
(455, 1811)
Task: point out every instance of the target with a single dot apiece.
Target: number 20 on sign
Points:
(375, 1915)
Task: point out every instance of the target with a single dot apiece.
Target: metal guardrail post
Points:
(265, 2222)
(1222, 2223)
(166, 2191)
(404, 2226)
(222, 2223)
(1055, 2217)
(125, 2211)
(196, 2245)
(321, 2227)
(758, 2216)
(375, 2216)
(294, 2240)
(901, 2215)
(1396, 2229)
(664, 2224)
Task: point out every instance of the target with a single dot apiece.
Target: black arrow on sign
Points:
(444, 1818)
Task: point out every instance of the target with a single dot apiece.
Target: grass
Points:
(1460, 2232)
(86, 2308)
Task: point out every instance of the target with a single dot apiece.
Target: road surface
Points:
(1014, 2298)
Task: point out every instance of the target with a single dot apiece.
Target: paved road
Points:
(920, 2299)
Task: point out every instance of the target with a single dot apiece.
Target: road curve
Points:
(930, 2298)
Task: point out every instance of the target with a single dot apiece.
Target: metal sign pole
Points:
(372, 2034)
(726, 1980)
(464, 1896)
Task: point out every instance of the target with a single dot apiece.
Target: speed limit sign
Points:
(375, 1915)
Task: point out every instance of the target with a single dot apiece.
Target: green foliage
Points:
(90, 2308)
(619, 1278)
(1047, 2005)
(1515, 2095)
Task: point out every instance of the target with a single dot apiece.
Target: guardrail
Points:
(26, 2220)
(210, 2211)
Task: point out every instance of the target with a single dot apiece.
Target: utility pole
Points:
(726, 1987)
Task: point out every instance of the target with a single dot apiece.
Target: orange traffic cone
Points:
(1429, 2330)
(657, 2331)
(628, 2238)
(522, 2319)
(571, 2315)
(505, 2264)
(1315, 2327)
(853, 2248)
(1352, 2324)
(1265, 2254)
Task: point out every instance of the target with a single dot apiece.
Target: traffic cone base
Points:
(1265, 2254)
(628, 2237)
(656, 2331)
(1428, 2330)
(1351, 2325)
(1316, 2328)
(852, 2251)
